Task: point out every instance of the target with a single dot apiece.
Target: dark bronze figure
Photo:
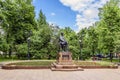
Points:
(63, 43)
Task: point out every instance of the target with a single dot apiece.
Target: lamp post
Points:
(1, 22)
(28, 41)
(80, 41)
(119, 59)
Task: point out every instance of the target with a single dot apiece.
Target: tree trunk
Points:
(111, 57)
(10, 51)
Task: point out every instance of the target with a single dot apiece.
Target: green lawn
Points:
(5, 59)
(104, 62)
(94, 63)
(49, 62)
(114, 60)
(34, 63)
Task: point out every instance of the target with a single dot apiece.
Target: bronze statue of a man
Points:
(63, 42)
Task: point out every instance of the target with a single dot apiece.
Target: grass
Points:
(86, 63)
(34, 63)
(115, 60)
(104, 63)
(6, 59)
(49, 62)
(94, 63)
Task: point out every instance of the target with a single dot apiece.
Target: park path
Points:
(47, 74)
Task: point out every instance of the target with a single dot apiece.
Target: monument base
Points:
(64, 63)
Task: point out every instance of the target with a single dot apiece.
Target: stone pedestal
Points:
(64, 58)
(64, 63)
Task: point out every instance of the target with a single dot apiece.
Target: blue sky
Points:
(76, 14)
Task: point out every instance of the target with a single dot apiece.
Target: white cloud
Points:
(51, 23)
(53, 14)
(87, 10)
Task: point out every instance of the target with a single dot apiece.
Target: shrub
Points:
(22, 51)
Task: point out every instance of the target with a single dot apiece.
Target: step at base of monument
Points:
(60, 67)
(65, 69)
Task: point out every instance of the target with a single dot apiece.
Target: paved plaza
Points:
(47, 74)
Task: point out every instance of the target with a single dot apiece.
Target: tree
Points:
(18, 20)
(41, 20)
(40, 41)
(110, 19)
(22, 51)
(3, 45)
(83, 43)
(54, 40)
(89, 41)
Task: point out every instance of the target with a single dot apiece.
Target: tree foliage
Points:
(40, 41)
(17, 20)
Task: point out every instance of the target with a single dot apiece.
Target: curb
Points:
(10, 67)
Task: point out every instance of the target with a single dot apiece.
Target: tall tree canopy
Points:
(18, 18)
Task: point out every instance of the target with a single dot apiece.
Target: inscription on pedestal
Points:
(65, 57)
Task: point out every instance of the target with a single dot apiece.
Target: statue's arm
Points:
(62, 39)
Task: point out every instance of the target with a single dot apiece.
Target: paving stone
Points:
(47, 74)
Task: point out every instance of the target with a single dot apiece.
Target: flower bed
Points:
(47, 64)
(96, 65)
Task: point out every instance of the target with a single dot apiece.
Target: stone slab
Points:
(47, 74)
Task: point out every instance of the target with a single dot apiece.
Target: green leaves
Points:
(22, 51)
(40, 40)
(109, 24)
(103, 36)
(3, 45)
(19, 17)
